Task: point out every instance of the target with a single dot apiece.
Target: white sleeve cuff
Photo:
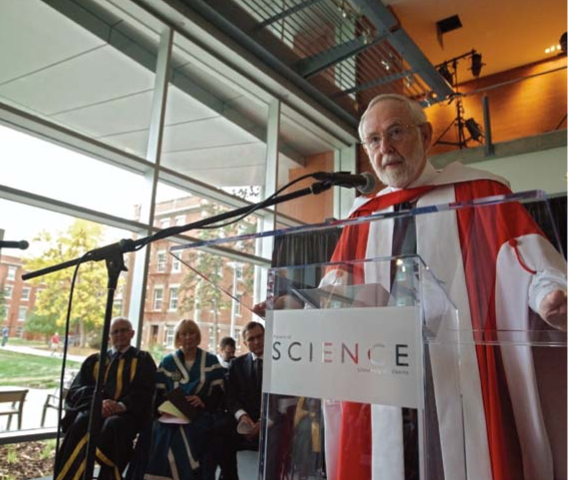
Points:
(543, 283)
(239, 414)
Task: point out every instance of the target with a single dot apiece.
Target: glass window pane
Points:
(68, 176)
(215, 131)
(89, 69)
(32, 318)
(174, 202)
(213, 290)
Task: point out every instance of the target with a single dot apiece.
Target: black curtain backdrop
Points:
(541, 216)
(305, 248)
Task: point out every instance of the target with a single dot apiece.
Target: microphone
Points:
(364, 183)
(22, 245)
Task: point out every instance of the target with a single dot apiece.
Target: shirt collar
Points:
(123, 351)
(222, 362)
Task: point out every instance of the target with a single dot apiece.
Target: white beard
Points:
(403, 174)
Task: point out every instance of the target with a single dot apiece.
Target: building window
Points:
(11, 273)
(180, 220)
(26, 293)
(174, 298)
(165, 223)
(8, 289)
(22, 314)
(20, 332)
(158, 297)
(239, 297)
(238, 337)
(176, 265)
(239, 272)
(161, 261)
(169, 335)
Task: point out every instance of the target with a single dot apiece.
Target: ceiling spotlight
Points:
(476, 64)
(474, 129)
(563, 43)
(445, 72)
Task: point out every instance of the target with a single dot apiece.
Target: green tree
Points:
(45, 325)
(87, 314)
(3, 309)
(198, 295)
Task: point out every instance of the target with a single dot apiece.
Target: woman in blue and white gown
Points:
(179, 445)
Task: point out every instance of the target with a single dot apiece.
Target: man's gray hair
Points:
(414, 109)
(120, 318)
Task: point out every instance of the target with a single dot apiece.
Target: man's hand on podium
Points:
(553, 309)
(260, 309)
(283, 302)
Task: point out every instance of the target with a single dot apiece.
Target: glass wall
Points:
(80, 169)
(81, 68)
(34, 311)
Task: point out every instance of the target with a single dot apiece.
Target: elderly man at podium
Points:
(503, 265)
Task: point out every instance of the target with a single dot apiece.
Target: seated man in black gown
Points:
(126, 408)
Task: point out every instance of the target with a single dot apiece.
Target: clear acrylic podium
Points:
(425, 365)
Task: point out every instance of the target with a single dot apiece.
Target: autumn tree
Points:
(89, 298)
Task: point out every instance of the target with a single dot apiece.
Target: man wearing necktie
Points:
(244, 384)
(497, 267)
(126, 407)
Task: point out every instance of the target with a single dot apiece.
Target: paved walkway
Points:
(40, 352)
(36, 398)
(32, 412)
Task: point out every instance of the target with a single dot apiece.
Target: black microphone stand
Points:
(113, 257)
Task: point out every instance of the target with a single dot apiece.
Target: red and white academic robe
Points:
(488, 259)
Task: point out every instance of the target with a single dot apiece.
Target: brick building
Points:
(19, 296)
(165, 292)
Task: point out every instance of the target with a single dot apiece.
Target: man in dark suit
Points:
(126, 406)
(227, 348)
(244, 384)
(243, 400)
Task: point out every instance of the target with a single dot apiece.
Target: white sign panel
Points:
(367, 355)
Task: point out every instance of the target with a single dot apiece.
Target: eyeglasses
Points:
(394, 134)
(120, 330)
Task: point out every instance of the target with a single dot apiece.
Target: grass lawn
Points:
(33, 371)
(27, 343)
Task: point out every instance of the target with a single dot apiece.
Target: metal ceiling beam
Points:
(130, 43)
(207, 11)
(406, 47)
(310, 66)
(286, 13)
(375, 83)
(383, 20)
(379, 15)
